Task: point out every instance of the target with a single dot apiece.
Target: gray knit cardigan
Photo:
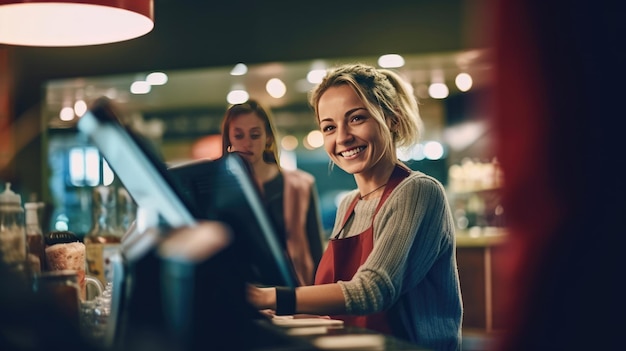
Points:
(412, 270)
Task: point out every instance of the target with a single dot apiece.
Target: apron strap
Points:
(400, 172)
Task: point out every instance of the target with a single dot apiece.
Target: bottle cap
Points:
(32, 206)
(31, 212)
(8, 197)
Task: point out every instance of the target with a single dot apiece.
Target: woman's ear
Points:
(392, 123)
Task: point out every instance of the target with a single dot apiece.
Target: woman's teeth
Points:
(352, 152)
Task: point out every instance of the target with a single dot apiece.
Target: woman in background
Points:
(390, 265)
(290, 195)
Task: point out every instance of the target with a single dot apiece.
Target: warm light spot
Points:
(80, 107)
(438, 91)
(276, 88)
(156, 78)
(391, 61)
(289, 142)
(315, 76)
(140, 87)
(463, 81)
(315, 139)
(237, 96)
(66, 114)
(239, 70)
(433, 150)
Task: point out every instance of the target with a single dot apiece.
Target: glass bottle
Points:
(12, 233)
(34, 238)
(127, 209)
(103, 239)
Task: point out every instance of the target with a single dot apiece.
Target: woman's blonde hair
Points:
(386, 96)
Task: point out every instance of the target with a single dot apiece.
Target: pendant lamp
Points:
(59, 23)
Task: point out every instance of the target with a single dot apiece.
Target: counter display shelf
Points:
(481, 286)
(481, 237)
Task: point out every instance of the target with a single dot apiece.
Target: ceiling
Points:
(197, 43)
(206, 40)
(207, 88)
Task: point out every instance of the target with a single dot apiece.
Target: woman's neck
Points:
(374, 177)
(265, 172)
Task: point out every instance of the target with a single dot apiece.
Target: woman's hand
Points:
(262, 298)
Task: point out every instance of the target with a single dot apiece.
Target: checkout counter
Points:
(168, 298)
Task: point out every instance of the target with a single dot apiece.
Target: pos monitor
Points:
(221, 190)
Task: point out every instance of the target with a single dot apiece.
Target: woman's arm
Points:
(323, 299)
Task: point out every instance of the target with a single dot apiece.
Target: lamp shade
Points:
(73, 22)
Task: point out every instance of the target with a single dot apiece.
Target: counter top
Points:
(481, 237)
(330, 338)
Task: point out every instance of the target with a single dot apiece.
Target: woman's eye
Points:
(328, 128)
(255, 136)
(357, 118)
(239, 136)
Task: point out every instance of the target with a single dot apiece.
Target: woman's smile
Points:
(352, 153)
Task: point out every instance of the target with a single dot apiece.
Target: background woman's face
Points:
(248, 137)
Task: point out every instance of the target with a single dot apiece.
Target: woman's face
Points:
(351, 134)
(248, 137)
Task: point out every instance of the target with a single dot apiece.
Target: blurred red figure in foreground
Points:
(556, 117)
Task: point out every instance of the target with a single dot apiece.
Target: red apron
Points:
(343, 257)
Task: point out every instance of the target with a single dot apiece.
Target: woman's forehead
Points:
(247, 121)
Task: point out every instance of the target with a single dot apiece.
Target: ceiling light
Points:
(156, 78)
(433, 150)
(289, 142)
(317, 72)
(73, 22)
(140, 87)
(438, 88)
(438, 91)
(315, 76)
(237, 95)
(239, 70)
(80, 107)
(315, 139)
(463, 81)
(276, 88)
(391, 61)
(66, 114)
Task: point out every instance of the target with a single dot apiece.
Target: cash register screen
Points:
(220, 190)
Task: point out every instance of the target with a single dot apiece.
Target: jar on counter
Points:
(104, 238)
(12, 230)
(34, 238)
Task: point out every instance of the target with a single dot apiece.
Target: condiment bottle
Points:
(103, 239)
(12, 233)
(127, 209)
(34, 237)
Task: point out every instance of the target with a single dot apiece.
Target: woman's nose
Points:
(344, 136)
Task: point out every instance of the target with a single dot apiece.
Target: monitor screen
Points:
(142, 172)
(223, 190)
